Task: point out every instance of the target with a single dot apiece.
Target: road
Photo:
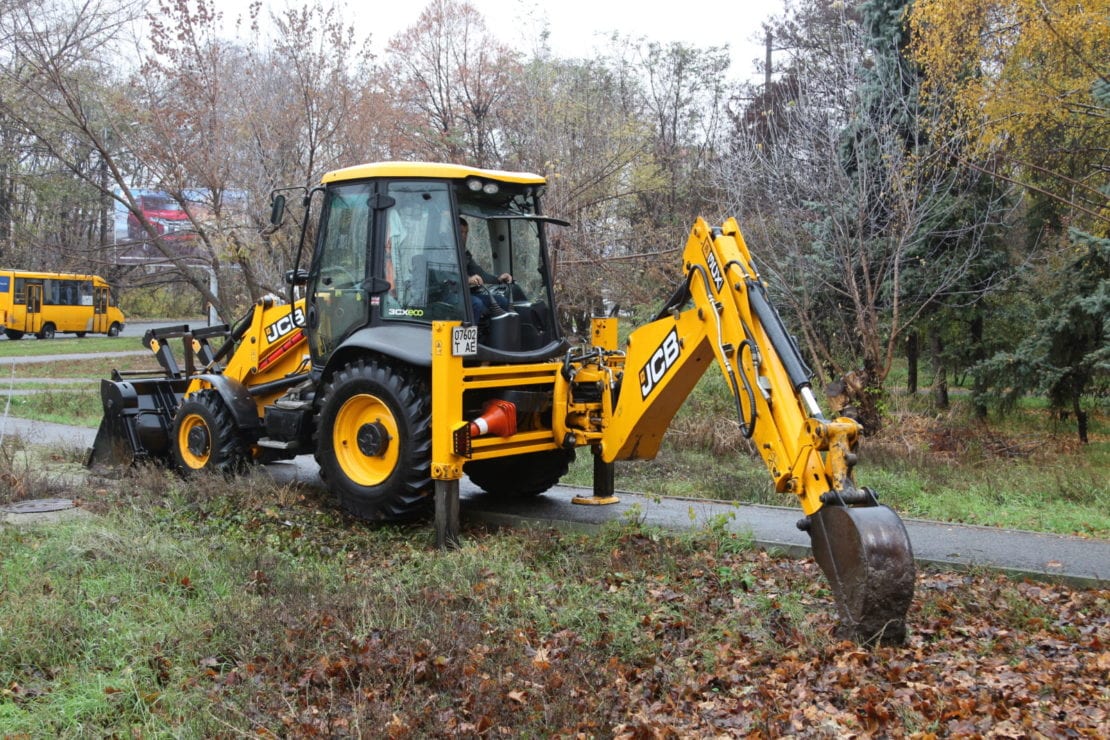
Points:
(1079, 561)
(130, 329)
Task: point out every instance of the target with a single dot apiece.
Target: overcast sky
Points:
(578, 27)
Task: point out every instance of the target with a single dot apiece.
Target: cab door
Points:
(338, 302)
(100, 310)
(32, 322)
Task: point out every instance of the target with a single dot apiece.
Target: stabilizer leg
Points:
(447, 514)
(604, 483)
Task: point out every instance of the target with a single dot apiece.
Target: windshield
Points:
(504, 238)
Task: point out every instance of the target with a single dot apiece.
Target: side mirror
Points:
(277, 209)
(296, 277)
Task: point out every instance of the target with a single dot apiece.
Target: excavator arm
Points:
(722, 312)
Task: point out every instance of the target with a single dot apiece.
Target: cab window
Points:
(421, 256)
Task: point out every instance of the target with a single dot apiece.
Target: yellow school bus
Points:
(45, 303)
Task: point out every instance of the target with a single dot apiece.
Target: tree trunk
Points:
(858, 396)
(979, 386)
(912, 356)
(1080, 419)
(940, 371)
(5, 210)
(870, 400)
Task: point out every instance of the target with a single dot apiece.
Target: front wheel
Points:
(13, 334)
(205, 437)
(374, 440)
(47, 332)
(113, 330)
(520, 475)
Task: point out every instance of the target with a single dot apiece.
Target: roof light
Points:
(490, 188)
(474, 184)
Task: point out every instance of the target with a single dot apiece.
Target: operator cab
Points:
(390, 253)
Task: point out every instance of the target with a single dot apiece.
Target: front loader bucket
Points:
(137, 422)
(866, 555)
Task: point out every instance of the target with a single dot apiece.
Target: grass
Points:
(118, 627)
(67, 345)
(72, 406)
(90, 368)
(202, 609)
(77, 402)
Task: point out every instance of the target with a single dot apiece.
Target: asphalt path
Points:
(1079, 561)
(130, 329)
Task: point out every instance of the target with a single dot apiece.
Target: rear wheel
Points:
(374, 440)
(521, 475)
(47, 331)
(205, 436)
(80, 334)
(13, 334)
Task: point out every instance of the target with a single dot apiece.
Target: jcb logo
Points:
(283, 326)
(662, 360)
(714, 268)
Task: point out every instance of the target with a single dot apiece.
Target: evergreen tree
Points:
(1067, 355)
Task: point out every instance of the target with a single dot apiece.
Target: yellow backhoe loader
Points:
(418, 373)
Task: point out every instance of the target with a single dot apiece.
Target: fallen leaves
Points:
(691, 644)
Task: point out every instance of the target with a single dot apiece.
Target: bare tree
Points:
(853, 213)
(451, 78)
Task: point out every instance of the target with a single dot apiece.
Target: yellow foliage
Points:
(1016, 77)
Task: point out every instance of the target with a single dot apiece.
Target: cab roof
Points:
(438, 170)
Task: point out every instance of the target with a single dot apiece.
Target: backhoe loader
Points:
(400, 384)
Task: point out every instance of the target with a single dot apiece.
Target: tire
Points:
(205, 437)
(13, 334)
(374, 441)
(113, 330)
(80, 334)
(521, 475)
(47, 331)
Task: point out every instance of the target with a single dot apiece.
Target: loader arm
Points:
(722, 312)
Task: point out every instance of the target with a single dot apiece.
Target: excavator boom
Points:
(722, 312)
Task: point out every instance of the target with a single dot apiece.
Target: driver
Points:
(476, 276)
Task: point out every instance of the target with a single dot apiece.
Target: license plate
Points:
(464, 341)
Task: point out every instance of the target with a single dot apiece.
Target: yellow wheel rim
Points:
(194, 424)
(365, 440)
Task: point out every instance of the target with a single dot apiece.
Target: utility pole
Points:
(767, 65)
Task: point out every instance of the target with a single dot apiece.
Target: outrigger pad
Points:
(866, 555)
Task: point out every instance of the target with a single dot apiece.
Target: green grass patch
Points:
(31, 385)
(76, 403)
(73, 406)
(99, 367)
(67, 346)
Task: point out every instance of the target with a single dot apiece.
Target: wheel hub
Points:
(198, 441)
(373, 439)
